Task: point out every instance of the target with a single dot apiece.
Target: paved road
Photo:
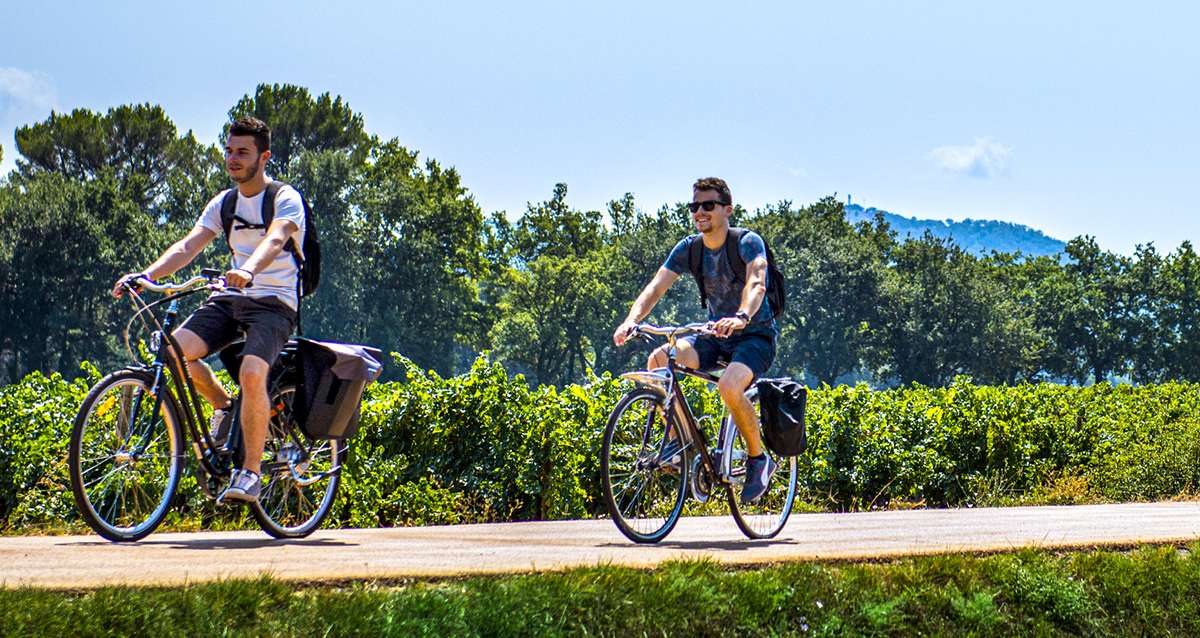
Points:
(88, 561)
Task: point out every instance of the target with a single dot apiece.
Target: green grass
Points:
(1151, 591)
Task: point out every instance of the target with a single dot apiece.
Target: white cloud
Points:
(983, 159)
(796, 172)
(21, 91)
(25, 98)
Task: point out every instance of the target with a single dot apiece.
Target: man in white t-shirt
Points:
(260, 298)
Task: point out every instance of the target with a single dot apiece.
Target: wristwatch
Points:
(742, 315)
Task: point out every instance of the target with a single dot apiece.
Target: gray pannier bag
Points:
(330, 384)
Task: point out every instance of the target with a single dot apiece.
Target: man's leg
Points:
(256, 409)
(734, 381)
(194, 350)
(685, 355)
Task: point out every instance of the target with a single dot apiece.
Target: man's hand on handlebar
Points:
(238, 278)
(129, 280)
(624, 332)
(726, 326)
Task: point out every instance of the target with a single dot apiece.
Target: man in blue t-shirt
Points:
(743, 322)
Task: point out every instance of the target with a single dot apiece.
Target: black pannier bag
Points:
(781, 403)
(330, 381)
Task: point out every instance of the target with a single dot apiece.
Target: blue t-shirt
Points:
(724, 291)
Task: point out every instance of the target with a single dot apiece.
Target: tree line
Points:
(412, 264)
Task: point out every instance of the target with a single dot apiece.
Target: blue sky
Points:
(1071, 117)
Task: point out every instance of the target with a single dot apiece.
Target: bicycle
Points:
(127, 454)
(645, 491)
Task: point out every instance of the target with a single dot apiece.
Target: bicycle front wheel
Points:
(765, 517)
(300, 475)
(125, 459)
(644, 494)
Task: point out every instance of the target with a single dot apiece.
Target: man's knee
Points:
(253, 372)
(735, 380)
(190, 343)
(657, 359)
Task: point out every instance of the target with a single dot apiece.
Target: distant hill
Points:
(980, 236)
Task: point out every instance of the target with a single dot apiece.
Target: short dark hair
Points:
(254, 127)
(714, 184)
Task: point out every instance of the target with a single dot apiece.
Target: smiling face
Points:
(708, 220)
(243, 161)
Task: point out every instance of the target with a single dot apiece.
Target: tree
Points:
(944, 314)
(136, 144)
(57, 310)
(1169, 345)
(552, 228)
(300, 123)
(556, 303)
(418, 241)
(546, 314)
(1085, 307)
(834, 271)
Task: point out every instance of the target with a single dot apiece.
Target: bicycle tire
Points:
(766, 517)
(111, 501)
(633, 439)
(280, 509)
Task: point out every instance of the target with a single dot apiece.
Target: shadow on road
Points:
(735, 545)
(249, 543)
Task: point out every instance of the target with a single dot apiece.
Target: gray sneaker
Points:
(758, 476)
(244, 486)
(218, 426)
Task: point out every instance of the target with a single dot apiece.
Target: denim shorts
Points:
(755, 351)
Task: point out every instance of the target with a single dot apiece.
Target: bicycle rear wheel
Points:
(765, 517)
(644, 496)
(125, 460)
(294, 505)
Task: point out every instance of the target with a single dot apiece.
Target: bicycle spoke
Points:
(105, 476)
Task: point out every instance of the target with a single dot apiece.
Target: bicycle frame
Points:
(184, 391)
(676, 404)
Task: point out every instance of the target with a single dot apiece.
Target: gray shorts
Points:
(266, 323)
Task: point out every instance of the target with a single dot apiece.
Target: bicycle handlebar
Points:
(699, 327)
(170, 288)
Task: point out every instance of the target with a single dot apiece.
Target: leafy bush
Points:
(484, 446)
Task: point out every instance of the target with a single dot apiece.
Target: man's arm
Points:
(752, 298)
(645, 303)
(180, 254)
(265, 253)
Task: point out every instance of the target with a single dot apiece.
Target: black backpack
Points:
(782, 403)
(310, 264)
(776, 288)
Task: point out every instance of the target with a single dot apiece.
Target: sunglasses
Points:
(708, 205)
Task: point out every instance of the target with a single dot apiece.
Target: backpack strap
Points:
(733, 253)
(228, 213)
(268, 216)
(696, 266)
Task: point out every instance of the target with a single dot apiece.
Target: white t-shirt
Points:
(279, 279)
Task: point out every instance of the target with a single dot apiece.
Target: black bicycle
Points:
(128, 446)
(645, 486)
